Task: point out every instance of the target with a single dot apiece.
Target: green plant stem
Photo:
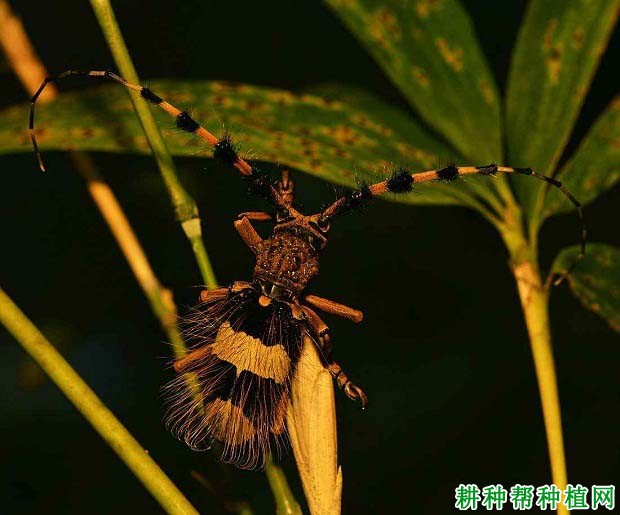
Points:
(185, 207)
(194, 234)
(534, 298)
(91, 407)
(285, 501)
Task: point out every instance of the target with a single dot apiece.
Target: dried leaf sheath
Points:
(311, 424)
(246, 355)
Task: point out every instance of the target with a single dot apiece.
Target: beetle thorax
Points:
(286, 260)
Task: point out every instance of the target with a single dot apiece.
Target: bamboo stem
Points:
(90, 406)
(185, 207)
(534, 299)
(535, 303)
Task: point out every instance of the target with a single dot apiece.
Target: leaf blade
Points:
(595, 280)
(429, 51)
(326, 138)
(595, 167)
(558, 50)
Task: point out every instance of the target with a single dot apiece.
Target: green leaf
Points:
(327, 138)
(558, 49)
(405, 127)
(429, 50)
(595, 167)
(595, 280)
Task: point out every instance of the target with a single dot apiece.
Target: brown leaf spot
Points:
(280, 97)
(315, 164)
(309, 147)
(384, 27)
(548, 35)
(578, 36)
(384, 131)
(308, 152)
(421, 76)
(363, 121)
(321, 102)
(553, 51)
(453, 57)
(340, 152)
(487, 91)
(424, 7)
(219, 87)
(554, 64)
(39, 132)
(253, 105)
(343, 134)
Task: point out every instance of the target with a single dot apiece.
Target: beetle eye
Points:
(282, 214)
(323, 224)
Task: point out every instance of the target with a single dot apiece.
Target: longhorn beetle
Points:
(250, 334)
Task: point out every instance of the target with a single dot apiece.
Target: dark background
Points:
(442, 353)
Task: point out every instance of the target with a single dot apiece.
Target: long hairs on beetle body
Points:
(246, 338)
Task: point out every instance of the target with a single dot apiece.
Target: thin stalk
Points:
(534, 298)
(159, 297)
(285, 501)
(18, 49)
(184, 205)
(90, 406)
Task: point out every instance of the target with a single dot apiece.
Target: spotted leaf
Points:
(558, 49)
(596, 280)
(429, 50)
(331, 139)
(595, 167)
